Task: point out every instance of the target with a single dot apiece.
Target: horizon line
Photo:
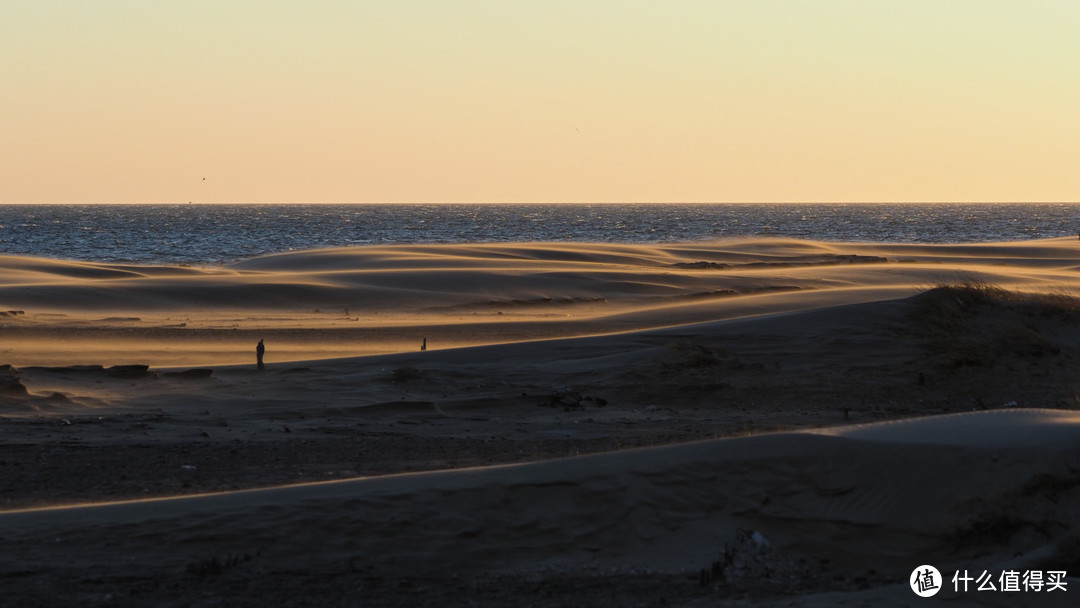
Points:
(808, 202)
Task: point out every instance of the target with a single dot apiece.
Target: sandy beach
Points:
(766, 422)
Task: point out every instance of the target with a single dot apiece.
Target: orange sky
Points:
(555, 101)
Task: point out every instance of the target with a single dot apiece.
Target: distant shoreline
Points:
(212, 235)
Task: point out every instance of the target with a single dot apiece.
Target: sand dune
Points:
(803, 421)
(554, 289)
(875, 499)
(380, 279)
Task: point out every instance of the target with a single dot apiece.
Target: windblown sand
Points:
(590, 425)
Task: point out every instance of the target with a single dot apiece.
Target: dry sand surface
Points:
(755, 422)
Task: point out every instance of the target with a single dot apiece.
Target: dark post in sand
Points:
(423, 345)
(259, 351)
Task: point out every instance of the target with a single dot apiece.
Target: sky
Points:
(539, 101)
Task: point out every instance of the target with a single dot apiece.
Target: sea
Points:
(212, 235)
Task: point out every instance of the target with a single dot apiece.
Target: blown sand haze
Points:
(370, 300)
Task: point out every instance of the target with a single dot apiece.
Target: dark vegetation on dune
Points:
(955, 348)
(994, 347)
(975, 324)
(1041, 513)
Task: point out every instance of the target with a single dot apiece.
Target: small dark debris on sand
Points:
(405, 373)
(567, 398)
(215, 566)
(702, 265)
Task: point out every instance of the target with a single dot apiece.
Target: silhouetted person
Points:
(259, 351)
(423, 345)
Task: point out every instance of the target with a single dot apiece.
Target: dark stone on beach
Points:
(566, 398)
(129, 371)
(70, 369)
(10, 385)
(198, 373)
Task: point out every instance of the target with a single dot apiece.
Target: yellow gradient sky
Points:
(539, 101)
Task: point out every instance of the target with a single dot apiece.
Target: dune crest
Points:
(377, 299)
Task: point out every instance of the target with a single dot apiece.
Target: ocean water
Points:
(208, 235)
